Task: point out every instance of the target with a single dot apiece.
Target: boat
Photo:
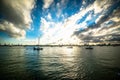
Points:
(60, 45)
(89, 47)
(38, 47)
(69, 47)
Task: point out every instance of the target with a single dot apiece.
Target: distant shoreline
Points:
(65, 45)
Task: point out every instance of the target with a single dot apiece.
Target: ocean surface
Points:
(60, 63)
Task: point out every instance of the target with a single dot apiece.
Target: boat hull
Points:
(37, 48)
(89, 48)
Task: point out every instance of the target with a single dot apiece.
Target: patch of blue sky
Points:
(4, 35)
(90, 23)
(91, 12)
(72, 7)
(36, 16)
(87, 2)
(83, 18)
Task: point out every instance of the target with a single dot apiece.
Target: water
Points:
(60, 63)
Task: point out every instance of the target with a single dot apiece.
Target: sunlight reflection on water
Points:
(60, 63)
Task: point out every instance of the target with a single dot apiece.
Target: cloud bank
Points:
(96, 21)
(16, 17)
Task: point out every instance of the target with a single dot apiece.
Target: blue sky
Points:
(59, 21)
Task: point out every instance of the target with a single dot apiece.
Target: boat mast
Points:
(38, 41)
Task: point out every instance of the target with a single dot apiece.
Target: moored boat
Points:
(38, 47)
(89, 47)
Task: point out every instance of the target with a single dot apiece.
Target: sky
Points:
(59, 21)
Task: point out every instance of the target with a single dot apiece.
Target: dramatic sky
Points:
(59, 21)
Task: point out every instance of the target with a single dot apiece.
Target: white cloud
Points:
(99, 18)
(116, 19)
(47, 3)
(62, 31)
(60, 7)
(49, 16)
(99, 5)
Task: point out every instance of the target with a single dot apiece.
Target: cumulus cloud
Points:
(106, 27)
(96, 22)
(12, 30)
(61, 32)
(16, 16)
(100, 34)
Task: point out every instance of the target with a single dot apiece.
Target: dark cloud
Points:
(109, 31)
(10, 14)
(16, 16)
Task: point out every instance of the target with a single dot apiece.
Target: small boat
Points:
(60, 45)
(69, 47)
(89, 47)
(38, 48)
